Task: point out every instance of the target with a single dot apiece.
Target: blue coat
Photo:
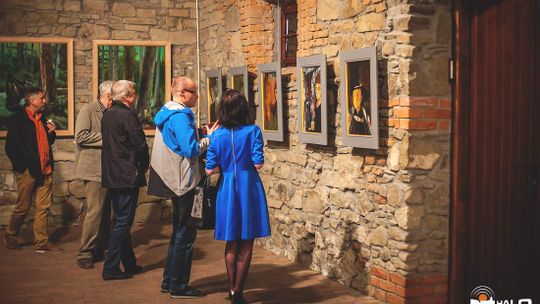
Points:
(241, 209)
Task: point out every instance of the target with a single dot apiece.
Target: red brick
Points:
(445, 103)
(394, 299)
(418, 291)
(388, 286)
(401, 291)
(444, 125)
(370, 160)
(406, 112)
(377, 271)
(437, 113)
(398, 279)
(417, 124)
(375, 282)
(419, 101)
(441, 288)
(393, 102)
(379, 294)
(435, 278)
(414, 281)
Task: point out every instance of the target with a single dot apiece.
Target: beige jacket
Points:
(88, 138)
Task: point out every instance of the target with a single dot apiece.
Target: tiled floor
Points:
(29, 277)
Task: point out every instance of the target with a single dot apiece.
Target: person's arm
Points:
(138, 140)
(13, 144)
(257, 150)
(186, 136)
(212, 165)
(83, 130)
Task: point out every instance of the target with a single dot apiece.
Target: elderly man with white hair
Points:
(96, 226)
(124, 161)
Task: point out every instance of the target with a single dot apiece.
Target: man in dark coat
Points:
(28, 146)
(124, 161)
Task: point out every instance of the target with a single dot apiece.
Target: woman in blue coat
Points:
(236, 150)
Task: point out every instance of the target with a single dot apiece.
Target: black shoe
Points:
(116, 276)
(164, 288)
(236, 297)
(187, 293)
(85, 263)
(135, 270)
(11, 242)
(98, 257)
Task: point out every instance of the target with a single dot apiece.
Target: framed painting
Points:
(359, 99)
(312, 106)
(270, 101)
(37, 62)
(238, 77)
(214, 88)
(147, 63)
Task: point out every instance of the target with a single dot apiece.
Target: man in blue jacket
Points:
(175, 171)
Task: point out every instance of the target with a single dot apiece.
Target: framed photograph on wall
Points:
(147, 63)
(214, 89)
(238, 79)
(312, 107)
(37, 62)
(359, 99)
(270, 101)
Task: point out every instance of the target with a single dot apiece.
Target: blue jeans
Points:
(124, 202)
(178, 266)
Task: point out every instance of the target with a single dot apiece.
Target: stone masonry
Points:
(85, 21)
(374, 220)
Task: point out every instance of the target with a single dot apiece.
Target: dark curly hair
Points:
(233, 109)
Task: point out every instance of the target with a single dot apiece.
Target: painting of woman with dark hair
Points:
(269, 93)
(311, 94)
(359, 121)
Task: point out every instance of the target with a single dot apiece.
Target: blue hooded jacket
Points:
(175, 167)
(177, 125)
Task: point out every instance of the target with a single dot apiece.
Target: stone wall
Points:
(84, 21)
(373, 220)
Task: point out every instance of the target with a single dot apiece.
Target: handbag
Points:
(204, 205)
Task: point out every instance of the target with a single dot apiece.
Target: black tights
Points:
(237, 260)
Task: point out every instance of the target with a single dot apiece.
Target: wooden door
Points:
(495, 236)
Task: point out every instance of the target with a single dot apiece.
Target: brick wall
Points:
(373, 220)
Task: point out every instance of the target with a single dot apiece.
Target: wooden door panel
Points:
(496, 137)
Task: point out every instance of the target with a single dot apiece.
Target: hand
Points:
(51, 126)
(214, 127)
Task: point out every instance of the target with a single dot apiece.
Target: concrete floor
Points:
(29, 277)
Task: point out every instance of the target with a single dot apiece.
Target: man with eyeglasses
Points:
(175, 171)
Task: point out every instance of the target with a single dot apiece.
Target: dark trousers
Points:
(124, 202)
(178, 266)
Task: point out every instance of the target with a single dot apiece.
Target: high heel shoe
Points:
(236, 297)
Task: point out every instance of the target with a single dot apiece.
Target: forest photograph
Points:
(147, 66)
(34, 64)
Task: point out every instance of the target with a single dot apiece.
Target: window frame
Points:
(286, 10)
